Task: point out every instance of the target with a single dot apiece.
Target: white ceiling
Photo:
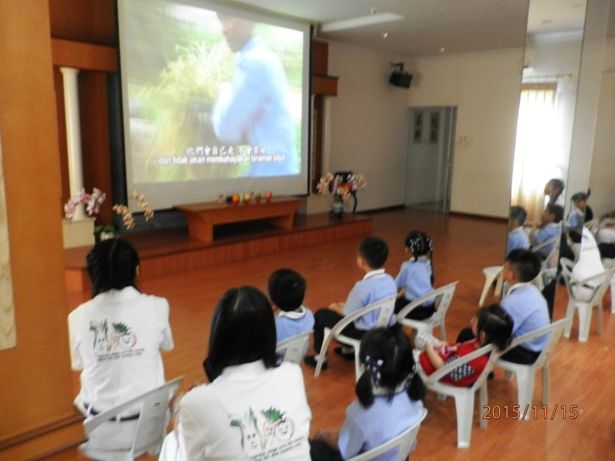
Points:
(430, 25)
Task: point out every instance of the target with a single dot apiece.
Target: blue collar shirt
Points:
(375, 286)
(529, 312)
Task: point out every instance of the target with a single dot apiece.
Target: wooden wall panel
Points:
(80, 55)
(91, 21)
(36, 380)
(320, 57)
(324, 85)
(94, 112)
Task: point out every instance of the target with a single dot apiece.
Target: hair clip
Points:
(373, 366)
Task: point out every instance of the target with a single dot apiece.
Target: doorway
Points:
(429, 165)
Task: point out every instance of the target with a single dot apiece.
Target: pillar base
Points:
(78, 232)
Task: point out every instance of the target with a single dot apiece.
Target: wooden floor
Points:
(582, 374)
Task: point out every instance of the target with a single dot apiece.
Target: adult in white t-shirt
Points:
(253, 409)
(115, 340)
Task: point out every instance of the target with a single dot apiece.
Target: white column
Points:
(588, 96)
(73, 134)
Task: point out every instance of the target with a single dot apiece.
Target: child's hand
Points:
(337, 307)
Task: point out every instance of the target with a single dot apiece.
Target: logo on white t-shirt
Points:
(114, 341)
(265, 434)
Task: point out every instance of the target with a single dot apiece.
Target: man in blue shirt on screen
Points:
(254, 108)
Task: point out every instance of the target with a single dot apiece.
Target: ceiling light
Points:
(362, 21)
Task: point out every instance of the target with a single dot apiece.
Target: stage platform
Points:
(174, 251)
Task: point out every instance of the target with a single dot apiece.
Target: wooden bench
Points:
(202, 217)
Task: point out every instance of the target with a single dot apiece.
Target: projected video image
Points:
(210, 95)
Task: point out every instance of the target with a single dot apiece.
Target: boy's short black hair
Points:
(286, 289)
(518, 214)
(374, 251)
(557, 211)
(577, 197)
(525, 264)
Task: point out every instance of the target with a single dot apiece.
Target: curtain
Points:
(536, 147)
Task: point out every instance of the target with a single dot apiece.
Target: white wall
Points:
(367, 123)
(485, 87)
(601, 181)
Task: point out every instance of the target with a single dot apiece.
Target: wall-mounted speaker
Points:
(401, 78)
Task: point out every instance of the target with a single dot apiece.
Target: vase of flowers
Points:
(343, 186)
(337, 206)
(95, 199)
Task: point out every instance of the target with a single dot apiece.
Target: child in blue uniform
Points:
(554, 192)
(389, 399)
(576, 216)
(287, 290)
(415, 277)
(550, 227)
(517, 237)
(525, 305)
(375, 286)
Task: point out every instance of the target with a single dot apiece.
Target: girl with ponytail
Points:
(415, 278)
(389, 399)
(490, 325)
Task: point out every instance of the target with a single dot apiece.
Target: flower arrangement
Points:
(92, 204)
(341, 185)
(127, 217)
(91, 201)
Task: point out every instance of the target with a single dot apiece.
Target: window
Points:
(536, 147)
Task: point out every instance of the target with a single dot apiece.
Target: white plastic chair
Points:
(492, 274)
(294, 348)
(526, 374)
(552, 241)
(464, 396)
(584, 308)
(548, 269)
(406, 442)
(608, 262)
(386, 308)
(443, 297)
(150, 428)
(593, 225)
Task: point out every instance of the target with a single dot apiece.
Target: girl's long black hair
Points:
(112, 265)
(242, 331)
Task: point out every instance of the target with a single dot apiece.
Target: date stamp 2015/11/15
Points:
(544, 412)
